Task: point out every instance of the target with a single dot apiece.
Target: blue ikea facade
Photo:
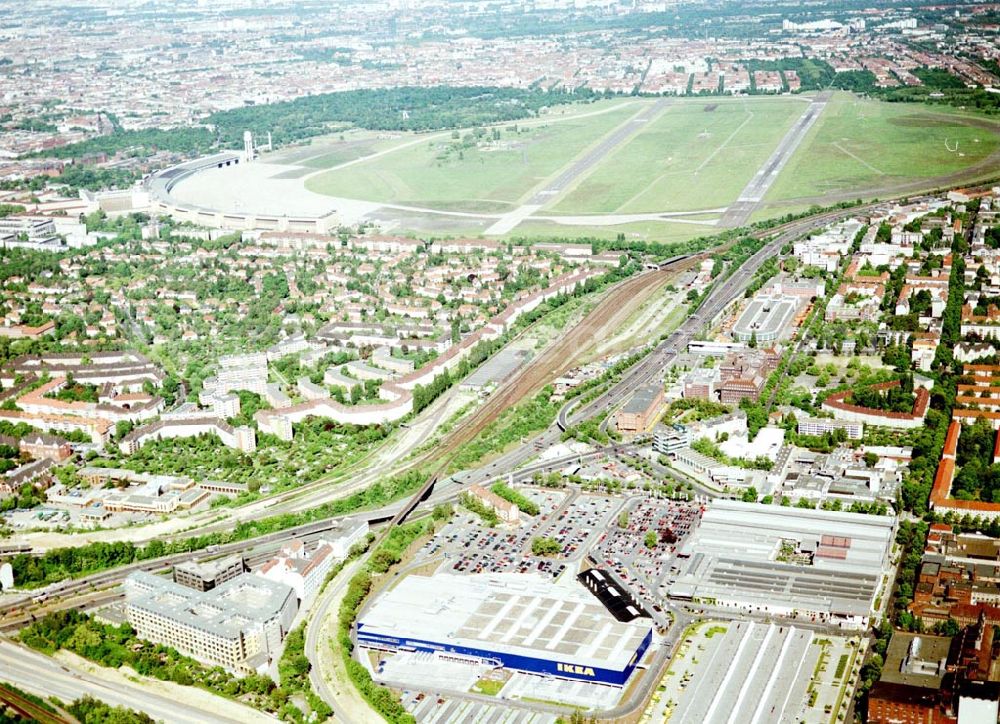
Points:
(368, 635)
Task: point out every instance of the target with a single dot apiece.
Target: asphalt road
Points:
(44, 676)
(647, 370)
(644, 372)
(597, 154)
(321, 611)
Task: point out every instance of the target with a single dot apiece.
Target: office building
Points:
(204, 576)
(238, 625)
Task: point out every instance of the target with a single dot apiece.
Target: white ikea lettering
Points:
(575, 669)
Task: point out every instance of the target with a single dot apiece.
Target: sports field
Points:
(861, 145)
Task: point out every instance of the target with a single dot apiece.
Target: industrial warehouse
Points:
(809, 563)
(517, 621)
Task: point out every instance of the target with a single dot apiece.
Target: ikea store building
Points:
(518, 621)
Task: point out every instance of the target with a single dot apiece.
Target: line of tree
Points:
(475, 505)
(388, 554)
(385, 109)
(524, 503)
(59, 564)
(116, 646)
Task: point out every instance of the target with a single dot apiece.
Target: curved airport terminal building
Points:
(240, 211)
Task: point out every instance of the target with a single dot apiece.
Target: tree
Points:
(547, 547)
(749, 495)
(123, 428)
(651, 539)
(870, 459)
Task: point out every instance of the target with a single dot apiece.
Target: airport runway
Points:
(739, 212)
(578, 168)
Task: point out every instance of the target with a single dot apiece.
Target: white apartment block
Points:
(821, 425)
(239, 372)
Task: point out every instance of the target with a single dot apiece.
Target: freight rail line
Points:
(29, 709)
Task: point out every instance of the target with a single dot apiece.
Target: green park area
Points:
(488, 171)
(861, 145)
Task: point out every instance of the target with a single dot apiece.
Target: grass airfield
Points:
(625, 172)
(861, 144)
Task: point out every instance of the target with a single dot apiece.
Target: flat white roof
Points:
(736, 553)
(514, 613)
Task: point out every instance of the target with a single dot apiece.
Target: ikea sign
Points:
(575, 669)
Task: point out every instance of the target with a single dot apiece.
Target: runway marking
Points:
(577, 169)
(447, 134)
(726, 142)
(744, 206)
(858, 159)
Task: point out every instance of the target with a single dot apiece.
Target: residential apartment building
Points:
(302, 569)
(822, 425)
(507, 512)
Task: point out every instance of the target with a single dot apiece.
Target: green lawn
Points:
(481, 180)
(860, 144)
(688, 158)
(696, 154)
(490, 687)
(657, 230)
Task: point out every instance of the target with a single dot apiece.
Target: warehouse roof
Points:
(643, 399)
(513, 613)
(800, 558)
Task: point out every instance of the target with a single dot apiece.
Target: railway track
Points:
(537, 372)
(92, 591)
(556, 359)
(28, 709)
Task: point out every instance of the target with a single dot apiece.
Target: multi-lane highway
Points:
(13, 613)
(45, 676)
(650, 369)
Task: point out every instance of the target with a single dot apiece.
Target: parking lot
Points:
(623, 550)
(440, 710)
(752, 672)
(582, 519)
(470, 547)
(582, 524)
(575, 520)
